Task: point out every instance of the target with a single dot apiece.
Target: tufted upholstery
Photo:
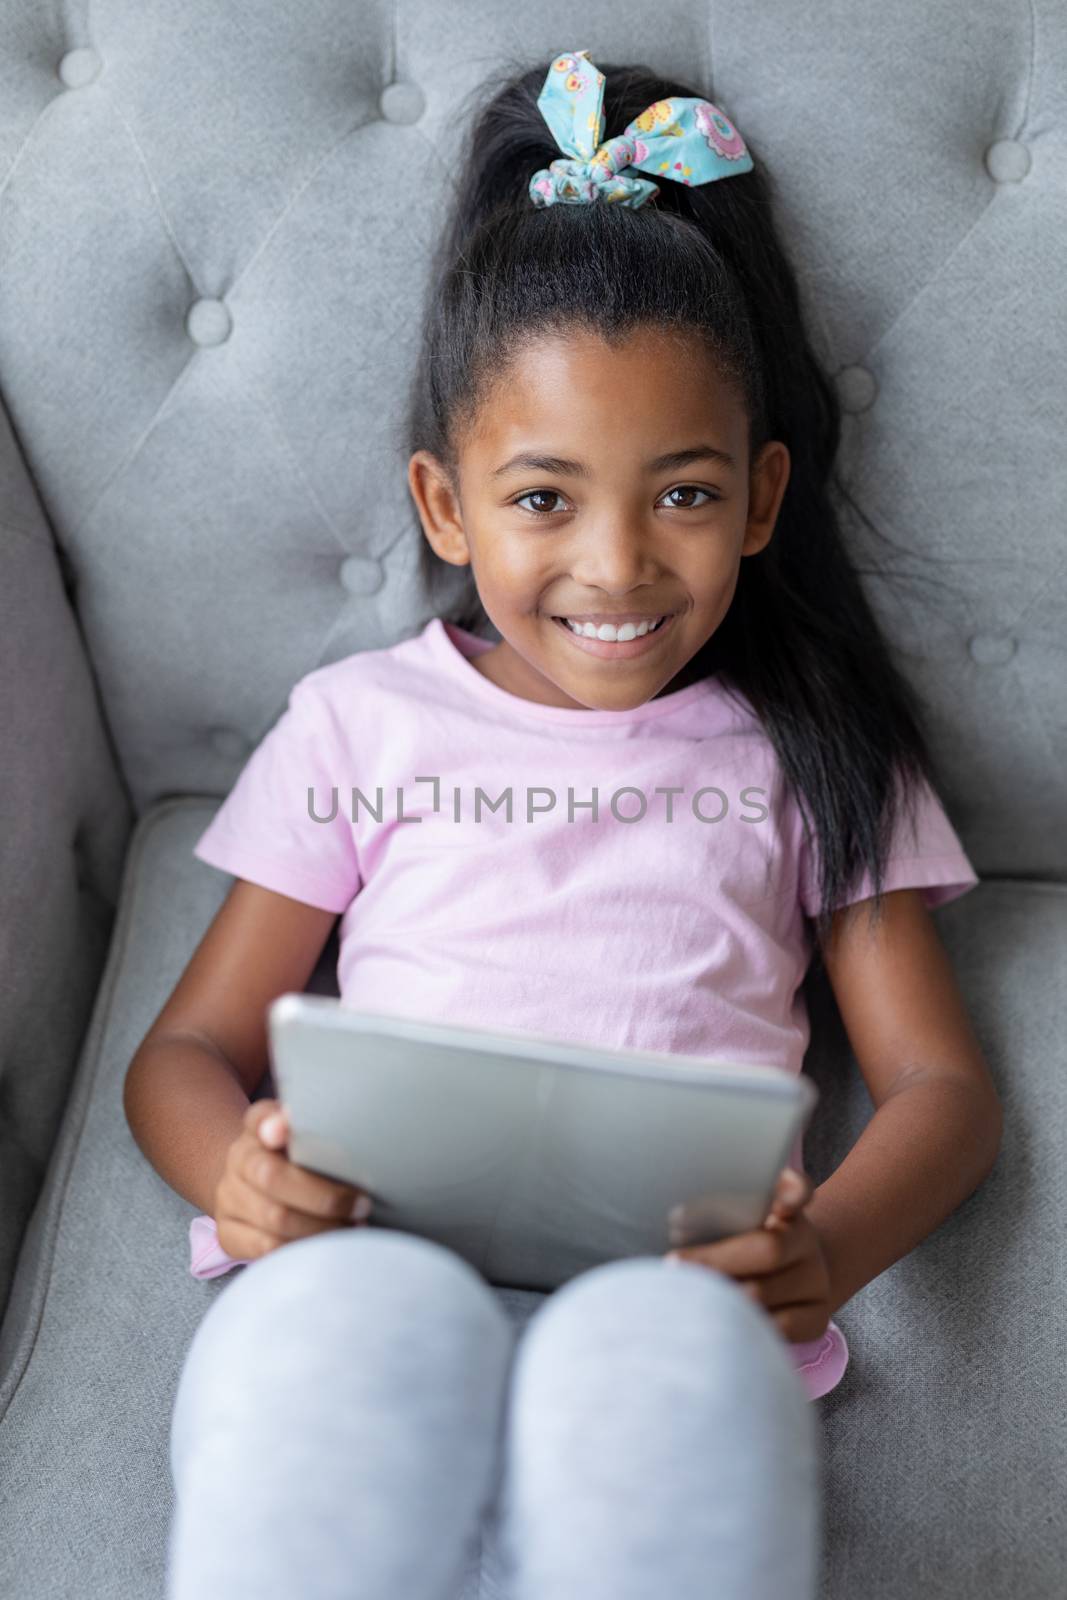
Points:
(213, 228)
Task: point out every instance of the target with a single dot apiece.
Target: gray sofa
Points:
(213, 222)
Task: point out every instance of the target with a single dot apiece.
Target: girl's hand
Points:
(263, 1200)
(780, 1265)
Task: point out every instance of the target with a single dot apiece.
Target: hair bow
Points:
(687, 140)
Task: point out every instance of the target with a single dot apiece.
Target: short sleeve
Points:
(929, 857)
(270, 830)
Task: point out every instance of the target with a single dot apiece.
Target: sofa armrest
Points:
(65, 818)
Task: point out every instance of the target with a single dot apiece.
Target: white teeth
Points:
(608, 630)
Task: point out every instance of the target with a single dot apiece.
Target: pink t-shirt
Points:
(672, 917)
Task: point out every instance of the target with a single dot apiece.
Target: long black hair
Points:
(800, 641)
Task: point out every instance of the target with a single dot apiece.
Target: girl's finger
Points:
(793, 1187)
(743, 1255)
(266, 1120)
(310, 1193)
(784, 1288)
(251, 1206)
(791, 1194)
(792, 1191)
(246, 1242)
(274, 1130)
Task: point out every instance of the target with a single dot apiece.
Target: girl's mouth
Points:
(617, 649)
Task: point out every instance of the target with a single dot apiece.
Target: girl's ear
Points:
(438, 507)
(767, 483)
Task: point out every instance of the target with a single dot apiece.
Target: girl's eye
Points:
(534, 494)
(553, 494)
(692, 488)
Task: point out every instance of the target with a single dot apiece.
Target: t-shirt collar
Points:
(455, 645)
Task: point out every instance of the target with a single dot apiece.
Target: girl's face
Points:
(608, 484)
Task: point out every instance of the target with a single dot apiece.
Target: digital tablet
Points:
(531, 1157)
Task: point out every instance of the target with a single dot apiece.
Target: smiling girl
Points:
(621, 443)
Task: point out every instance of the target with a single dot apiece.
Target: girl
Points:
(713, 774)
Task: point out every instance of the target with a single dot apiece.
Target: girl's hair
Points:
(800, 640)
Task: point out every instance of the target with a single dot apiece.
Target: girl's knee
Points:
(343, 1279)
(677, 1312)
(374, 1297)
(401, 1265)
(673, 1352)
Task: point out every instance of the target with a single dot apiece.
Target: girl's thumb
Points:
(790, 1192)
(274, 1129)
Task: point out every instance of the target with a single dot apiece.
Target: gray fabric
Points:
(627, 1445)
(942, 1425)
(213, 232)
(64, 822)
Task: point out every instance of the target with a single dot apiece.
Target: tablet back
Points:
(531, 1157)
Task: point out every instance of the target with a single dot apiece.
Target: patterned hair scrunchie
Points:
(687, 140)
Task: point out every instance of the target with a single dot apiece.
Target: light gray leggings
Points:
(360, 1416)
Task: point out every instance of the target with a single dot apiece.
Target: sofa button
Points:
(992, 649)
(361, 574)
(208, 322)
(1007, 161)
(79, 67)
(402, 102)
(228, 742)
(856, 388)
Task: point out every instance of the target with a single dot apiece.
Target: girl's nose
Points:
(614, 563)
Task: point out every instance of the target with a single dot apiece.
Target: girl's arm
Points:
(191, 1080)
(937, 1126)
